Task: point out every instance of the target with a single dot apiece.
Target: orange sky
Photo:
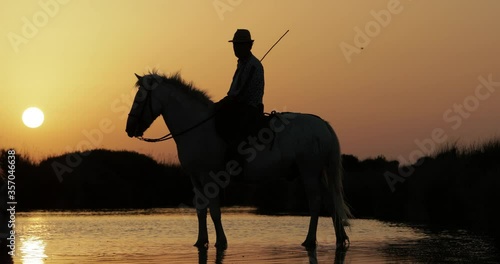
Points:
(75, 60)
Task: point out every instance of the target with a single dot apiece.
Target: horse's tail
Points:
(333, 175)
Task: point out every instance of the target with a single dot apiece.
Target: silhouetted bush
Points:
(456, 187)
(100, 179)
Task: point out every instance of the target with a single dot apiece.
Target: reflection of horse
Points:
(300, 141)
(340, 254)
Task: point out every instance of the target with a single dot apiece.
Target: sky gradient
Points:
(416, 82)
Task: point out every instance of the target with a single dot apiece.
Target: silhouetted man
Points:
(240, 110)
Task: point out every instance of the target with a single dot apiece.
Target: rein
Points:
(170, 135)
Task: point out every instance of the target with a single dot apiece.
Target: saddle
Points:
(236, 126)
(263, 131)
(263, 127)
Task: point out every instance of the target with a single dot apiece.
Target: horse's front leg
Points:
(201, 203)
(215, 213)
(202, 241)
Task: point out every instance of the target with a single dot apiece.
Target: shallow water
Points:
(167, 235)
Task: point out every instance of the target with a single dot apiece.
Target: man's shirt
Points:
(248, 82)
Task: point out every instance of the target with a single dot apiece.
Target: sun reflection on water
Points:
(33, 250)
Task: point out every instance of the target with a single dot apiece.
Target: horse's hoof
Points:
(201, 244)
(309, 244)
(344, 245)
(221, 245)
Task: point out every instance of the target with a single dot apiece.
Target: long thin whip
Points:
(274, 45)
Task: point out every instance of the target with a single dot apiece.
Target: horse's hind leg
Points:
(338, 225)
(340, 233)
(312, 185)
(221, 240)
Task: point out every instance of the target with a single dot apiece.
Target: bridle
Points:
(169, 135)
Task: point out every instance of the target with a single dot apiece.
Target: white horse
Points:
(303, 142)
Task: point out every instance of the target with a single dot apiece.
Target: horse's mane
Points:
(176, 80)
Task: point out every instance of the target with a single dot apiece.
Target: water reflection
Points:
(167, 236)
(340, 255)
(312, 254)
(203, 256)
(33, 250)
(312, 257)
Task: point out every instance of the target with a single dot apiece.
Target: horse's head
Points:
(146, 108)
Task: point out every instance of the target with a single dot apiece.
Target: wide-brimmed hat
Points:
(242, 36)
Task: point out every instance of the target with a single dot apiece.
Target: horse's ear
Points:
(138, 76)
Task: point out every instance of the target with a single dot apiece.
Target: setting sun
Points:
(33, 117)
